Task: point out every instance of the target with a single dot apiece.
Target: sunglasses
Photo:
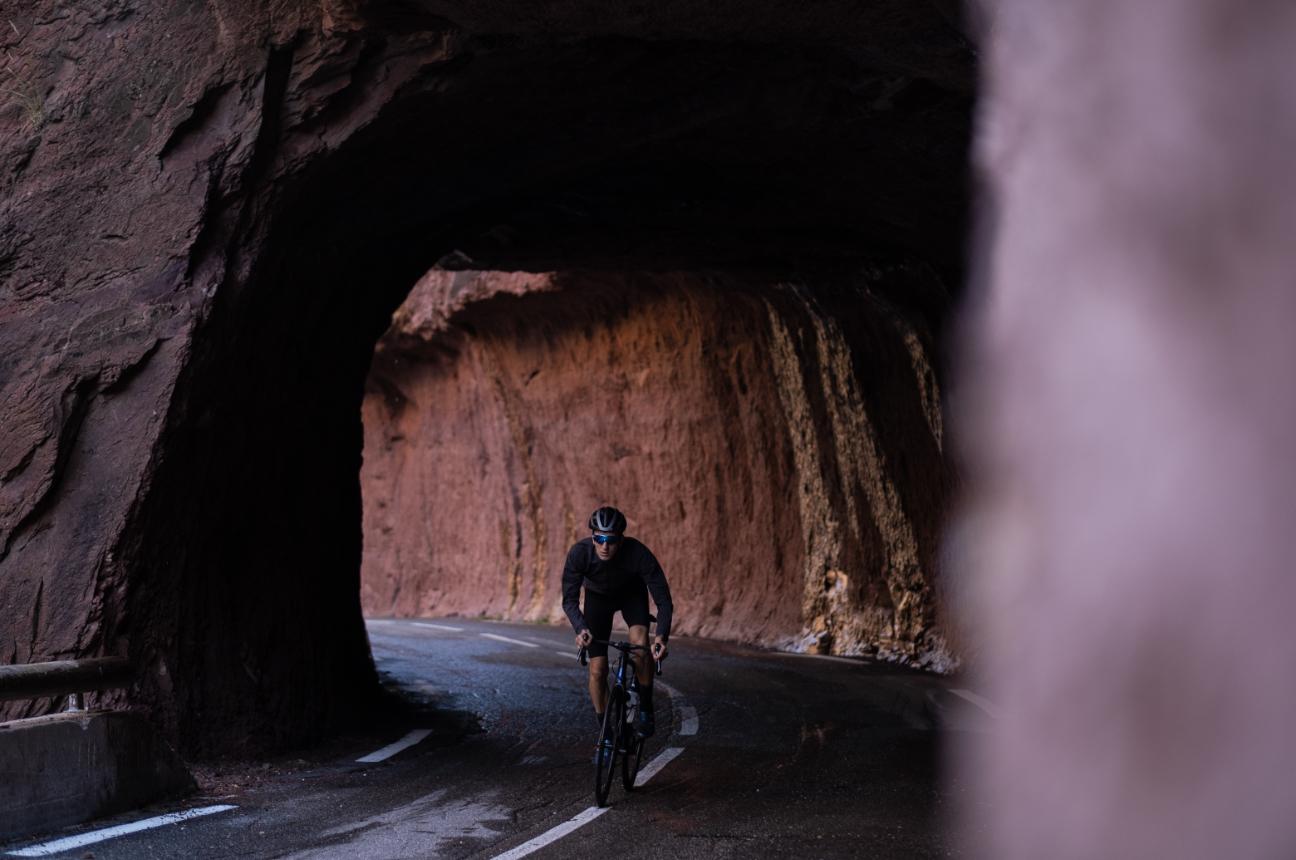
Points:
(602, 539)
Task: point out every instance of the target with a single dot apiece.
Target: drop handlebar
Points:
(620, 646)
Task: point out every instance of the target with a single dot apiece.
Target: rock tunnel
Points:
(313, 308)
(696, 262)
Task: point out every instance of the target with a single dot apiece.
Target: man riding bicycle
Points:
(618, 573)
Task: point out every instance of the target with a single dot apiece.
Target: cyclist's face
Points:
(605, 550)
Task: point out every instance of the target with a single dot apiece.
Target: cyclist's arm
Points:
(659, 588)
(573, 574)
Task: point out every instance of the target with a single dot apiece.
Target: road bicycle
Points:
(617, 738)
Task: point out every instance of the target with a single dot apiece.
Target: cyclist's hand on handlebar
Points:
(584, 638)
(659, 648)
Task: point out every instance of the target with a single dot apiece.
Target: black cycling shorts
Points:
(598, 610)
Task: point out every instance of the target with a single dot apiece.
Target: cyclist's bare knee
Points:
(598, 667)
(639, 636)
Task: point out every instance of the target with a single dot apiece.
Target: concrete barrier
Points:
(68, 768)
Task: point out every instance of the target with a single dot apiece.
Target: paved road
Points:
(764, 754)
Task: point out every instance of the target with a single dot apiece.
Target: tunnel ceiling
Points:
(210, 213)
(534, 152)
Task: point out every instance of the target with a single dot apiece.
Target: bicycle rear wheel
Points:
(606, 752)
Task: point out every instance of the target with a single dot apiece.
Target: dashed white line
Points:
(68, 843)
(508, 640)
(431, 626)
(651, 769)
(391, 749)
(533, 845)
(568, 654)
(980, 701)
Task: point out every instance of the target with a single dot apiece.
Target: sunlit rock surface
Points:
(776, 442)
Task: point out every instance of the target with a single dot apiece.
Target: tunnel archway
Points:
(777, 440)
(800, 159)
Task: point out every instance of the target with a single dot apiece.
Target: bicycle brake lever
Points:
(658, 667)
(581, 654)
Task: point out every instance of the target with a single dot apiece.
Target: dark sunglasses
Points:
(601, 539)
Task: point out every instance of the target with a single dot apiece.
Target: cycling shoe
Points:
(645, 726)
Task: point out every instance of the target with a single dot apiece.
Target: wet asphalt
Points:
(791, 756)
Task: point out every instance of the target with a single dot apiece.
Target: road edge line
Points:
(67, 843)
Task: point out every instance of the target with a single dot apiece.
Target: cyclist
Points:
(618, 572)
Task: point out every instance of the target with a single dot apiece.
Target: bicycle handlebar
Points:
(620, 646)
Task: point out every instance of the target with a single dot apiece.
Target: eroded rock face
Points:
(776, 442)
(209, 213)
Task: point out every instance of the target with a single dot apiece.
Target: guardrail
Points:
(58, 770)
(69, 678)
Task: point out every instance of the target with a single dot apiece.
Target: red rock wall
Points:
(777, 444)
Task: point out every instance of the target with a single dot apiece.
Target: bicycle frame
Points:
(618, 677)
(617, 736)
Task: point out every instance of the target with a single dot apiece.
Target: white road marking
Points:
(431, 626)
(533, 845)
(391, 749)
(687, 713)
(508, 640)
(688, 720)
(980, 701)
(857, 661)
(68, 843)
(650, 770)
(567, 654)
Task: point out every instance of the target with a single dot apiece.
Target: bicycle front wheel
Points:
(630, 761)
(605, 755)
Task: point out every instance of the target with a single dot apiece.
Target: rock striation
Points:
(777, 442)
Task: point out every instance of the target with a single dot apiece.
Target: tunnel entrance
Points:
(776, 441)
(781, 217)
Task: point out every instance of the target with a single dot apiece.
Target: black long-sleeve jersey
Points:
(633, 566)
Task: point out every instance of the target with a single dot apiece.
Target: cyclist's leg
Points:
(642, 659)
(598, 612)
(598, 685)
(634, 609)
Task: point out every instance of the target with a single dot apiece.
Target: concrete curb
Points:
(69, 768)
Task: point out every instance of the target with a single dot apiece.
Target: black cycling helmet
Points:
(607, 519)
